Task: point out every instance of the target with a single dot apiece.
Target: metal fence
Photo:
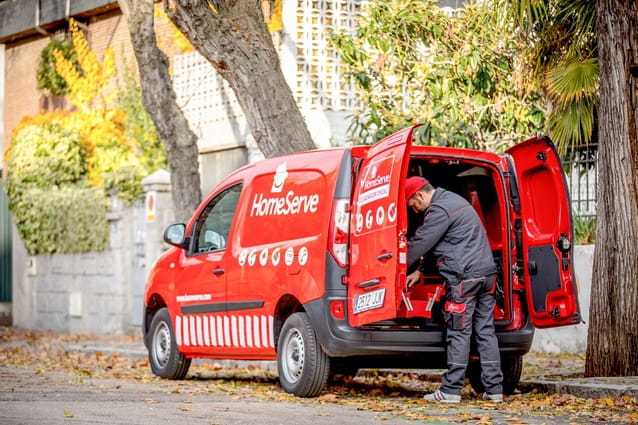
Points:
(582, 178)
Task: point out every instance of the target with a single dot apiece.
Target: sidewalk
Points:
(565, 376)
(548, 373)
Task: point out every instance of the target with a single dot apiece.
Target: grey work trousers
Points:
(469, 308)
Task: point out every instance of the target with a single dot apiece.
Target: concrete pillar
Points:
(158, 214)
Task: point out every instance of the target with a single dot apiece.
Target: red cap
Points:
(412, 186)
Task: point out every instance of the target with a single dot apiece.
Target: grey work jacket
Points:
(453, 232)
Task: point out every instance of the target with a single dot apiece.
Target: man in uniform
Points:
(452, 231)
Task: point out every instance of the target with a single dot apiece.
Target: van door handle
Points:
(218, 271)
(384, 257)
(368, 283)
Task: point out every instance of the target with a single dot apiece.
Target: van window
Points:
(213, 225)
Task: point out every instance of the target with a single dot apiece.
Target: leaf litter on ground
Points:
(398, 393)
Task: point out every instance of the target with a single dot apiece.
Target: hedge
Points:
(63, 220)
(53, 206)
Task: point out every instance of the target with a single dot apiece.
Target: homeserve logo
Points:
(374, 180)
(377, 186)
(283, 205)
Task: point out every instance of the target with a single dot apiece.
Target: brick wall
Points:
(21, 60)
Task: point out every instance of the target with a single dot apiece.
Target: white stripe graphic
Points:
(178, 330)
(200, 340)
(242, 331)
(213, 333)
(186, 338)
(264, 331)
(256, 331)
(193, 335)
(233, 321)
(206, 331)
(271, 321)
(225, 331)
(227, 340)
(220, 332)
(249, 331)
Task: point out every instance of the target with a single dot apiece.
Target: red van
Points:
(302, 259)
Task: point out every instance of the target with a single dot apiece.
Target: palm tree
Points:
(570, 43)
(560, 56)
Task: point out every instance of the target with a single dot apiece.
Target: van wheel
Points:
(165, 359)
(511, 365)
(301, 362)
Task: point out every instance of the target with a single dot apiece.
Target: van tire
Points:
(302, 364)
(512, 367)
(165, 359)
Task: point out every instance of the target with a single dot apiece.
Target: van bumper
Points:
(339, 339)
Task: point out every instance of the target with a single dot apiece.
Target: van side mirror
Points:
(175, 235)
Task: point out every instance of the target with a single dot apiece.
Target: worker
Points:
(452, 231)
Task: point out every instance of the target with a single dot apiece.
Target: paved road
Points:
(57, 398)
(35, 397)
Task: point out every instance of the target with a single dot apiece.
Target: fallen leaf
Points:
(327, 398)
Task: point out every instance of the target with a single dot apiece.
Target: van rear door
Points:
(379, 218)
(547, 234)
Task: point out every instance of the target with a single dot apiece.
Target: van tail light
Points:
(339, 231)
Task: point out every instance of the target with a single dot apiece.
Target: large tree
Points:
(160, 102)
(233, 37)
(612, 346)
(573, 47)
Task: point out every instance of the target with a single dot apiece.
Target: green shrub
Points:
(53, 207)
(45, 155)
(48, 78)
(125, 182)
(63, 220)
(584, 230)
(138, 127)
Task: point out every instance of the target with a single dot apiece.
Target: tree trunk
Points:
(235, 40)
(160, 102)
(612, 345)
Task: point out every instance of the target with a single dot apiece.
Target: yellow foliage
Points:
(273, 16)
(273, 13)
(98, 121)
(178, 39)
(88, 87)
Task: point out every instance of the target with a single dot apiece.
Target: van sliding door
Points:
(377, 262)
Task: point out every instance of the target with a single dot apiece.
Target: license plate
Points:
(369, 300)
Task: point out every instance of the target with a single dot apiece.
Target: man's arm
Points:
(435, 224)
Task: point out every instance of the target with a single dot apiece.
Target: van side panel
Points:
(278, 244)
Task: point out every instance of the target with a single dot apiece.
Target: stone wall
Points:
(97, 292)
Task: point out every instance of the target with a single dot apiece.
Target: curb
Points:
(586, 387)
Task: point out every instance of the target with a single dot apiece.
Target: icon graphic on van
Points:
(280, 178)
(303, 256)
(290, 256)
(392, 212)
(242, 257)
(276, 256)
(263, 257)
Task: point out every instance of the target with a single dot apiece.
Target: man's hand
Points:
(413, 278)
